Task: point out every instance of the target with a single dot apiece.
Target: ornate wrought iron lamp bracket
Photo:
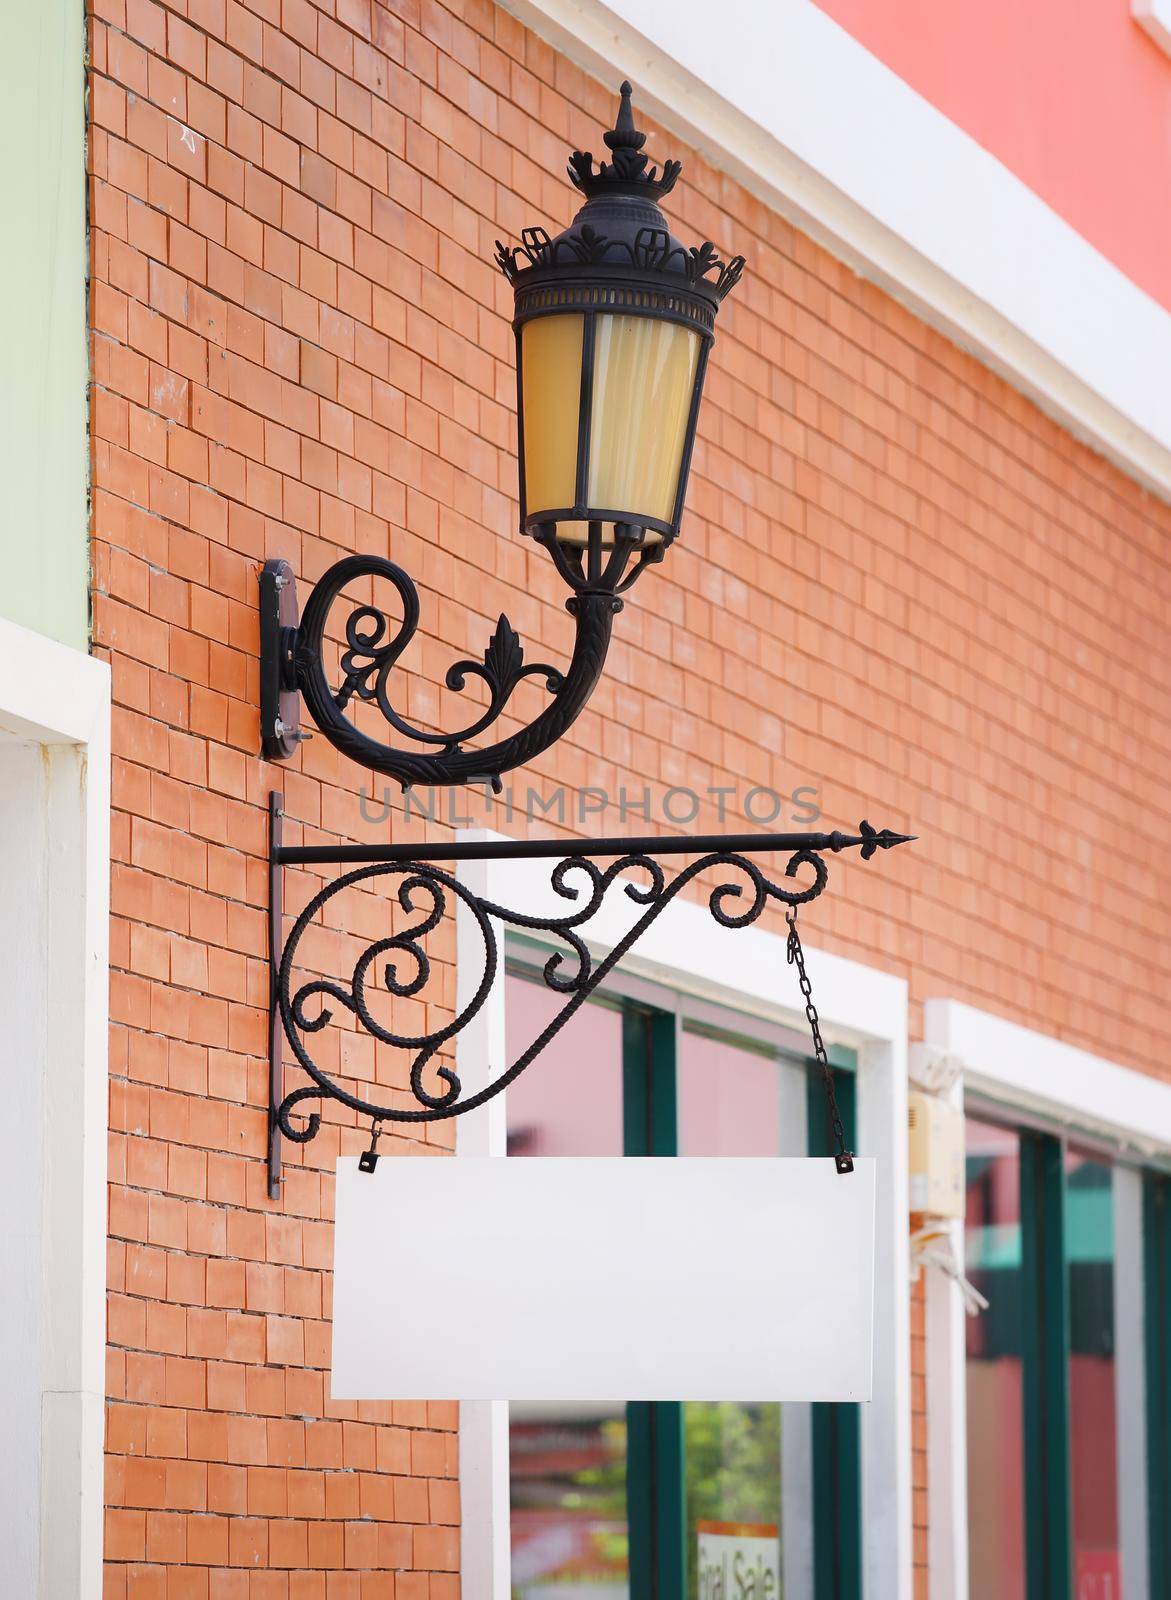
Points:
(424, 892)
(292, 669)
(604, 497)
(602, 480)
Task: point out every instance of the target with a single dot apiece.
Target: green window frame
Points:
(1157, 1340)
(837, 1428)
(1046, 1366)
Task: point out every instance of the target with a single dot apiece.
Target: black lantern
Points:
(614, 322)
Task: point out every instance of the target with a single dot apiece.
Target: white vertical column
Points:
(54, 933)
(24, 960)
(485, 1557)
(796, 1415)
(77, 1091)
(947, 1466)
(886, 1422)
(1130, 1382)
(947, 1401)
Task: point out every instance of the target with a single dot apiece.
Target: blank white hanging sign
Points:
(603, 1278)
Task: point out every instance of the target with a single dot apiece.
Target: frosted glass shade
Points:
(644, 374)
(637, 406)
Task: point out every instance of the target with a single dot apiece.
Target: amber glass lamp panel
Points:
(640, 404)
(551, 397)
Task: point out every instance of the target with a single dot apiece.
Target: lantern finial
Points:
(624, 135)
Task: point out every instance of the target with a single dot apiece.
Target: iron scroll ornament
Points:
(424, 891)
(292, 666)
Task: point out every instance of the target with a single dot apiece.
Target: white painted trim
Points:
(1043, 1077)
(1130, 1361)
(1154, 18)
(946, 1386)
(23, 948)
(688, 952)
(1035, 1073)
(57, 700)
(947, 1445)
(485, 1534)
(50, 693)
(806, 118)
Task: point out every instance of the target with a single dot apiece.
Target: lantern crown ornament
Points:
(614, 321)
(627, 172)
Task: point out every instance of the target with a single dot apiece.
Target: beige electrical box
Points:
(935, 1155)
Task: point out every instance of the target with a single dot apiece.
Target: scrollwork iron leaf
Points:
(580, 168)
(502, 669)
(729, 275)
(504, 658)
(588, 245)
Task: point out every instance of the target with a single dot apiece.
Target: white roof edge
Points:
(821, 131)
(1039, 1072)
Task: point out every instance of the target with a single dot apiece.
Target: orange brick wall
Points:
(898, 582)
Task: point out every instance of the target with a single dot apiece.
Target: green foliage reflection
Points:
(733, 1456)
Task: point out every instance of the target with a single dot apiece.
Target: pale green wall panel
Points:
(44, 549)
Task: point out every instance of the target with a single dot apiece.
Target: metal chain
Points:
(844, 1159)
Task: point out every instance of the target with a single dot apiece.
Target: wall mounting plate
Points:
(280, 699)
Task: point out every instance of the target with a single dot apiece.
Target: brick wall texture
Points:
(898, 582)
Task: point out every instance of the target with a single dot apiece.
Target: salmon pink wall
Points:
(1074, 99)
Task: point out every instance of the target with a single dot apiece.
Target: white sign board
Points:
(603, 1278)
(737, 1561)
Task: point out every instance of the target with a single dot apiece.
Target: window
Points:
(646, 1501)
(1056, 1440)
(1093, 1419)
(1156, 1213)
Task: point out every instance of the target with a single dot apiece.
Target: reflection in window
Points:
(733, 1455)
(995, 1365)
(742, 1101)
(569, 1102)
(568, 1468)
(1089, 1258)
(730, 1099)
(568, 1463)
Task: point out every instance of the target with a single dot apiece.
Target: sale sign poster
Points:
(738, 1561)
(1098, 1575)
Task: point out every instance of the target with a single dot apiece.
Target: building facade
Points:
(923, 577)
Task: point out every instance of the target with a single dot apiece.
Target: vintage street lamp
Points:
(614, 321)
